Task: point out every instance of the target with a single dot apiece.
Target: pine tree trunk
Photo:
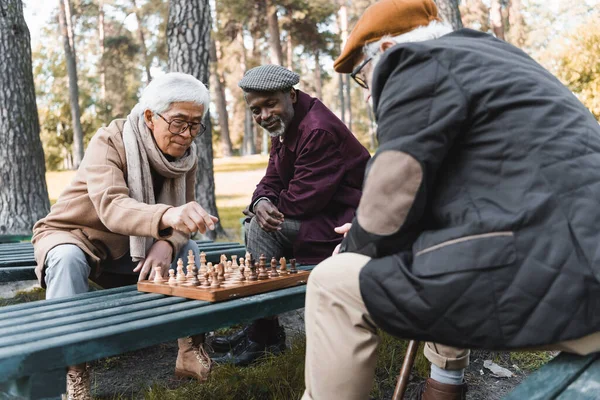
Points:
(142, 41)
(101, 35)
(448, 10)
(496, 19)
(188, 42)
(221, 102)
(23, 192)
(274, 39)
(248, 145)
(64, 18)
(318, 80)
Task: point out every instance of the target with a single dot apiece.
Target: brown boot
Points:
(192, 360)
(78, 383)
(434, 390)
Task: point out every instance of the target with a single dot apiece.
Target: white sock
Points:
(450, 377)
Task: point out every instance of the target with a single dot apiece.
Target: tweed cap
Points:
(268, 78)
(386, 17)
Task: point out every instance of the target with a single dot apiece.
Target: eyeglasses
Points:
(179, 126)
(359, 78)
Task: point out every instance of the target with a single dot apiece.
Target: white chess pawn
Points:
(180, 274)
(172, 280)
(158, 275)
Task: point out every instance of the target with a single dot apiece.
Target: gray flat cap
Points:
(268, 78)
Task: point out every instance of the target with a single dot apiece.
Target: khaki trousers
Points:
(342, 340)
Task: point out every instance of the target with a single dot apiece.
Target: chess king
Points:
(312, 185)
(478, 224)
(130, 208)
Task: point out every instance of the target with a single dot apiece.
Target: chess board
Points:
(226, 291)
(226, 280)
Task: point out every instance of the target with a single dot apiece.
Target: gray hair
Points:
(434, 30)
(174, 87)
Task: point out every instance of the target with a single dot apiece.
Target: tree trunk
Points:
(140, 30)
(23, 192)
(290, 47)
(496, 19)
(274, 39)
(104, 111)
(221, 102)
(188, 42)
(318, 80)
(348, 100)
(66, 26)
(448, 10)
(248, 145)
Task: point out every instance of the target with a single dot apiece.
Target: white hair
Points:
(434, 30)
(171, 88)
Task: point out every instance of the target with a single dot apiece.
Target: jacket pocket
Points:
(487, 250)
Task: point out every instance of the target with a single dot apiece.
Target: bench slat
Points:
(36, 321)
(56, 352)
(553, 378)
(97, 319)
(586, 387)
(18, 273)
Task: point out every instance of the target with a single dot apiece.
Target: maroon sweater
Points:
(315, 176)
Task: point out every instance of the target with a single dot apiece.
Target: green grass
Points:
(230, 220)
(250, 165)
(531, 360)
(24, 297)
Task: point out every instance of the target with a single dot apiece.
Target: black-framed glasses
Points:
(359, 78)
(179, 126)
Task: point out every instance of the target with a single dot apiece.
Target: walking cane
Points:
(407, 364)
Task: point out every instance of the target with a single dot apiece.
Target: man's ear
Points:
(386, 45)
(148, 119)
(294, 96)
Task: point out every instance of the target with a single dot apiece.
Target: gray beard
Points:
(280, 131)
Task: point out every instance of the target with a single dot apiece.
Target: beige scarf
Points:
(142, 155)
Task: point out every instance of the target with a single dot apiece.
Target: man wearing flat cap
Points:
(312, 185)
(478, 223)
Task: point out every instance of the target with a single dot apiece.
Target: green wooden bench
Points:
(39, 339)
(17, 262)
(14, 238)
(566, 377)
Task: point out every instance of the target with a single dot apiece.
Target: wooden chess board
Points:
(228, 291)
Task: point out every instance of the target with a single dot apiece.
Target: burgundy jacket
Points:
(315, 176)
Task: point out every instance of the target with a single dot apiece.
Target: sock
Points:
(450, 377)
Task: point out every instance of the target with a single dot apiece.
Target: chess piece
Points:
(234, 263)
(251, 275)
(293, 269)
(231, 270)
(172, 280)
(283, 266)
(158, 275)
(214, 279)
(249, 260)
(273, 271)
(192, 272)
(180, 274)
(262, 268)
(221, 272)
(207, 275)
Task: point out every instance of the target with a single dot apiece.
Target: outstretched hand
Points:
(188, 218)
(341, 230)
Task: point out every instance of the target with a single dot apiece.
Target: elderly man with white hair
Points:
(131, 208)
(478, 223)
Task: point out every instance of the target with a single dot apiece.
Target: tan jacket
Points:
(95, 211)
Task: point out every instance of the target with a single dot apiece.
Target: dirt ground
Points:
(131, 373)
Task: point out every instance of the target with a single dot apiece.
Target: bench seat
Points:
(566, 377)
(39, 339)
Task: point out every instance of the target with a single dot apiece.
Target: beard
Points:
(277, 132)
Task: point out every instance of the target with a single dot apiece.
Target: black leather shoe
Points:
(247, 351)
(223, 344)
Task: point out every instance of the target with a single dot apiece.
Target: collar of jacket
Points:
(303, 105)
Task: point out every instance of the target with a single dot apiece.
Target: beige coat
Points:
(95, 211)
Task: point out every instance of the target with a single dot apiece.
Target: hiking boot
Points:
(434, 390)
(192, 359)
(78, 383)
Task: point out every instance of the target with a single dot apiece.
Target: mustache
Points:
(270, 121)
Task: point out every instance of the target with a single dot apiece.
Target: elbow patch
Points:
(390, 189)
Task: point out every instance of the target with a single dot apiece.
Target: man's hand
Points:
(341, 230)
(268, 216)
(159, 255)
(247, 212)
(188, 218)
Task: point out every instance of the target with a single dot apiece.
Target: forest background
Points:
(91, 58)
